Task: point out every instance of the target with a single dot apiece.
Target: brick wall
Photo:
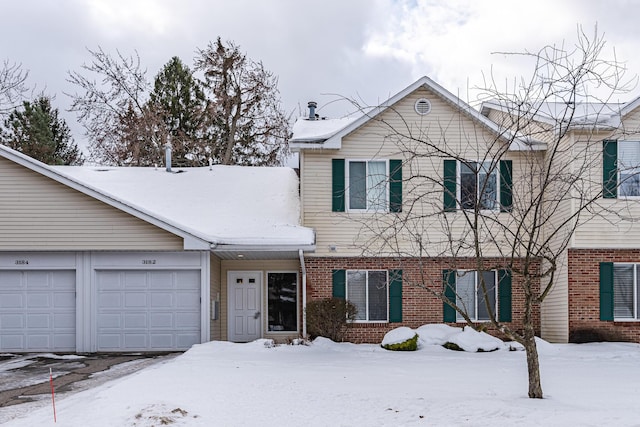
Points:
(584, 297)
(419, 305)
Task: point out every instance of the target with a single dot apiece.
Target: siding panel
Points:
(38, 213)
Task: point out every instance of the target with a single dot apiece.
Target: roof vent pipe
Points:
(312, 109)
(167, 156)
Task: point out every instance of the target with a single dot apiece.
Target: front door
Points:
(245, 305)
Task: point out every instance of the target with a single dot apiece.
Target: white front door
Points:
(245, 305)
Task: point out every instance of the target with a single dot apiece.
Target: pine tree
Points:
(37, 131)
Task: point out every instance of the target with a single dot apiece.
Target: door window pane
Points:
(283, 301)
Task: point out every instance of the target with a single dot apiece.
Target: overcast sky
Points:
(369, 49)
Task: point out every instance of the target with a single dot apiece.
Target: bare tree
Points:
(12, 86)
(244, 107)
(107, 105)
(497, 204)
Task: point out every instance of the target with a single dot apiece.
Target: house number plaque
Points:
(148, 261)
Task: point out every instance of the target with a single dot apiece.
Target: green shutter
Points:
(606, 291)
(395, 296)
(610, 169)
(337, 190)
(339, 284)
(506, 183)
(449, 185)
(504, 295)
(395, 185)
(449, 284)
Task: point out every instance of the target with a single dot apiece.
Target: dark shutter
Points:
(506, 184)
(504, 295)
(449, 185)
(339, 284)
(395, 296)
(395, 185)
(338, 185)
(606, 291)
(610, 169)
(449, 285)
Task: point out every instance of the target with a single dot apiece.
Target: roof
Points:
(318, 134)
(227, 205)
(579, 115)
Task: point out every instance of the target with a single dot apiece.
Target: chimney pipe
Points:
(312, 110)
(167, 156)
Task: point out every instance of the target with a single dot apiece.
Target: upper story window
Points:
(366, 185)
(620, 169)
(477, 185)
(629, 168)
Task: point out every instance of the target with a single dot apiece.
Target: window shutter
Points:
(609, 169)
(506, 184)
(449, 284)
(337, 190)
(504, 295)
(449, 185)
(606, 291)
(395, 185)
(395, 296)
(339, 284)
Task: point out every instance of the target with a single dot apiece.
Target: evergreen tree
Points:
(37, 131)
(178, 100)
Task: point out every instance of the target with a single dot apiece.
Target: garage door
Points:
(148, 310)
(37, 310)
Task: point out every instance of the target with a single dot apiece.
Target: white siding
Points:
(38, 213)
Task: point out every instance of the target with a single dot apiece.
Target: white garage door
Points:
(148, 310)
(37, 310)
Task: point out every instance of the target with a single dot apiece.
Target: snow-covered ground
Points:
(342, 384)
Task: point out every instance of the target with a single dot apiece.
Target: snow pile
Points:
(436, 334)
(471, 340)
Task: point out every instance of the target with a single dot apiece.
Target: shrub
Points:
(452, 346)
(328, 317)
(409, 345)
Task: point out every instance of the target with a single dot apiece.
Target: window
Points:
(368, 291)
(470, 296)
(368, 185)
(626, 295)
(629, 168)
(478, 184)
(483, 185)
(282, 303)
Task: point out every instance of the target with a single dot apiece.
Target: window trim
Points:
(635, 289)
(366, 287)
(297, 301)
(496, 171)
(618, 171)
(347, 191)
(496, 286)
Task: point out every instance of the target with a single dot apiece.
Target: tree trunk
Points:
(533, 363)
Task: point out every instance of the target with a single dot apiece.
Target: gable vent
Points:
(423, 106)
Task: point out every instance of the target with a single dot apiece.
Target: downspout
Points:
(304, 294)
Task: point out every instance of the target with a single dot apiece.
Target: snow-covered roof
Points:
(578, 115)
(227, 205)
(329, 136)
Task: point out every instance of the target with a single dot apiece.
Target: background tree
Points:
(454, 220)
(37, 131)
(248, 126)
(177, 98)
(12, 86)
(106, 107)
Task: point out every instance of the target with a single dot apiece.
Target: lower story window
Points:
(368, 291)
(470, 295)
(626, 291)
(282, 301)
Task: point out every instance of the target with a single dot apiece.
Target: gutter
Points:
(304, 294)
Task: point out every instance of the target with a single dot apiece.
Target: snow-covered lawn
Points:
(331, 384)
